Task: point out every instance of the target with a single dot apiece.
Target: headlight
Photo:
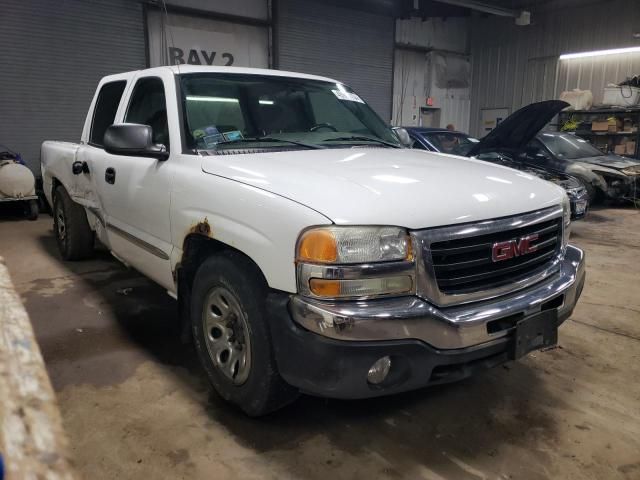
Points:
(566, 222)
(632, 171)
(355, 262)
(353, 245)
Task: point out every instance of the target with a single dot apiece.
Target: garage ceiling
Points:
(435, 8)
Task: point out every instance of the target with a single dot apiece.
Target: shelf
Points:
(583, 120)
(604, 134)
(635, 109)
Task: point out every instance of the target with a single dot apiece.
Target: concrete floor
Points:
(136, 404)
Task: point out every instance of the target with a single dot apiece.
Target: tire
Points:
(73, 234)
(32, 210)
(592, 193)
(231, 279)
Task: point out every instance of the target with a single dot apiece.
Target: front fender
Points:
(262, 225)
(585, 173)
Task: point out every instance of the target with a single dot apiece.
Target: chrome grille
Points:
(457, 264)
(465, 265)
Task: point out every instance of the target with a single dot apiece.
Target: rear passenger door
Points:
(83, 188)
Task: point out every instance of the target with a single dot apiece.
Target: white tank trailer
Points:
(17, 184)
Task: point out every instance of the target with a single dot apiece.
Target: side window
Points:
(535, 151)
(148, 107)
(105, 110)
(417, 145)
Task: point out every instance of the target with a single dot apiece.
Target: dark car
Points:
(459, 143)
(519, 136)
(606, 177)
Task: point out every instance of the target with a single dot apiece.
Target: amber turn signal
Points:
(325, 288)
(317, 246)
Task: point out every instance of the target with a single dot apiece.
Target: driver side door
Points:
(135, 191)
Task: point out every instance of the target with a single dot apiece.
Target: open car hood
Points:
(519, 128)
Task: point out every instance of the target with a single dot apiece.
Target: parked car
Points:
(606, 177)
(519, 138)
(308, 251)
(495, 151)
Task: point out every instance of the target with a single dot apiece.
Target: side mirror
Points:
(133, 139)
(403, 136)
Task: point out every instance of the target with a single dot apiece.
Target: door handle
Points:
(110, 175)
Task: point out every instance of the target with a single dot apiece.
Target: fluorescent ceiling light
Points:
(597, 53)
(212, 99)
(265, 102)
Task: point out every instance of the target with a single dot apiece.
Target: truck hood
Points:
(383, 186)
(519, 128)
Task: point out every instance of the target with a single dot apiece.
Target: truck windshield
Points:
(227, 111)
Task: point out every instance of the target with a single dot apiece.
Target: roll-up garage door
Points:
(53, 55)
(352, 46)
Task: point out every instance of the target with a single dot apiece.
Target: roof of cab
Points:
(180, 69)
(432, 130)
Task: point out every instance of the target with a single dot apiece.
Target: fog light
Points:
(379, 371)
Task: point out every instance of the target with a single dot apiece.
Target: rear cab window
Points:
(105, 110)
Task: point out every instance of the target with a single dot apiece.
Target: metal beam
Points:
(483, 7)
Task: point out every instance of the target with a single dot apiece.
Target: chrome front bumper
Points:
(447, 327)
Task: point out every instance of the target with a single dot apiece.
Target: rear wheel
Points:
(32, 210)
(73, 234)
(232, 337)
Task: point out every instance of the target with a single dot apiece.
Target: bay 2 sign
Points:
(236, 46)
(197, 57)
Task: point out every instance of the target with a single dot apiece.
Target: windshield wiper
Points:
(270, 140)
(362, 138)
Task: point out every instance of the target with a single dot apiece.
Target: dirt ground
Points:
(136, 404)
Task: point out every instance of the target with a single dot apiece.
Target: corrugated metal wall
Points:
(514, 66)
(352, 46)
(52, 54)
(414, 76)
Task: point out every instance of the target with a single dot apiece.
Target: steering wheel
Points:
(317, 127)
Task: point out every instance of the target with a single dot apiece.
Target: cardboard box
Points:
(630, 148)
(627, 125)
(615, 125)
(620, 149)
(600, 126)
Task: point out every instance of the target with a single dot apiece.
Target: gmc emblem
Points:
(513, 248)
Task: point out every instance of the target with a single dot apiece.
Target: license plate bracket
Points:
(535, 332)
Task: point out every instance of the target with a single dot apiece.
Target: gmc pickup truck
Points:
(307, 249)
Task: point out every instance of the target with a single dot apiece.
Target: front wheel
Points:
(232, 337)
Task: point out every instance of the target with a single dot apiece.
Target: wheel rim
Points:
(226, 334)
(61, 227)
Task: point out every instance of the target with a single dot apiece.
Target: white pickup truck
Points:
(308, 250)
